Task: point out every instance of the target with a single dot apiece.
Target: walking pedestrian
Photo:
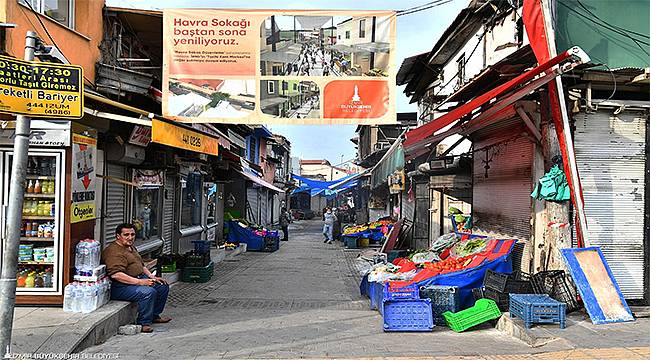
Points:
(328, 227)
(285, 219)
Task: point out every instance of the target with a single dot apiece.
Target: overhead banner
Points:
(41, 89)
(175, 136)
(279, 66)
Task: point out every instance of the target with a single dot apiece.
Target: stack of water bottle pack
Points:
(91, 288)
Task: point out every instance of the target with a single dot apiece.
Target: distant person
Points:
(326, 70)
(132, 281)
(285, 220)
(328, 227)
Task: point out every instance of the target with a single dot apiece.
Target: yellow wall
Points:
(80, 46)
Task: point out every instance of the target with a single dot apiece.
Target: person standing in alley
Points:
(132, 281)
(285, 219)
(328, 227)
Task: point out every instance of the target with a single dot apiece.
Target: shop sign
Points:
(226, 55)
(172, 135)
(148, 178)
(84, 176)
(396, 182)
(38, 137)
(41, 89)
(141, 135)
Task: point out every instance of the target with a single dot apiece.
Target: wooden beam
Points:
(529, 123)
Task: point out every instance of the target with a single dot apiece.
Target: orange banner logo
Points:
(363, 99)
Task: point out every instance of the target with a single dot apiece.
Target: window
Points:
(347, 34)
(295, 87)
(61, 11)
(211, 206)
(146, 212)
(252, 150)
(191, 186)
(339, 37)
(362, 28)
(271, 87)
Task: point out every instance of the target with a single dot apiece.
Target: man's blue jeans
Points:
(151, 299)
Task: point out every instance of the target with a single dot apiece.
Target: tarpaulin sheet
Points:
(316, 187)
(469, 279)
(238, 234)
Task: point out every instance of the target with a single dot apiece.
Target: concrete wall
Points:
(79, 45)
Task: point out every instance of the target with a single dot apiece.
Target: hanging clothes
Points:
(553, 186)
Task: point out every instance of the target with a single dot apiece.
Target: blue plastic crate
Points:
(351, 242)
(201, 246)
(537, 309)
(376, 295)
(404, 292)
(408, 315)
(443, 298)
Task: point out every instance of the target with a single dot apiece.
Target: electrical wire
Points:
(422, 7)
(48, 34)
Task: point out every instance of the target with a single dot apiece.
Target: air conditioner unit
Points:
(449, 165)
(126, 154)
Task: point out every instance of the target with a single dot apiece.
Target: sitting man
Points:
(132, 281)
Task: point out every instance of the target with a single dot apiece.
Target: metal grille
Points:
(168, 213)
(115, 201)
(610, 151)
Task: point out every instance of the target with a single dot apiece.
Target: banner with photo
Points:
(279, 67)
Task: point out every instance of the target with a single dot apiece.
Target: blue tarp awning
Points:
(316, 187)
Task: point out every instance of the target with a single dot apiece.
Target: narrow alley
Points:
(299, 302)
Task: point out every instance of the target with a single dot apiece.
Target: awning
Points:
(348, 179)
(418, 138)
(111, 116)
(342, 47)
(375, 47)
(259, 181)
(281, 56)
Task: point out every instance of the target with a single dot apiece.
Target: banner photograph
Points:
(279, 67)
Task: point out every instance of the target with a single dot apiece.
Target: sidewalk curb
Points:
(93, 329)
(515, 328)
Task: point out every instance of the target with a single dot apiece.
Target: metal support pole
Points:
(14, 216)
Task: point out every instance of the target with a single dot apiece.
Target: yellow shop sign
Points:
(168, 134)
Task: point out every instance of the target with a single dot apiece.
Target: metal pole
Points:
(14, 216)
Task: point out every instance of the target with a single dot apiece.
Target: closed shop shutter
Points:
(422, 217)
(114, 202)
(610, 152)
(263, 207)
(168, 213)
(501, 198)
(252, 212)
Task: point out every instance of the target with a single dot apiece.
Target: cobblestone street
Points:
(299, 302)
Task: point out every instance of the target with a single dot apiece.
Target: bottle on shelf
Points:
(47, 278)
(37, 187)
(29, 281)
(22, 276)
(68, 297)
(28, 228)
(30, 187)
(38, 280)
(34, 229)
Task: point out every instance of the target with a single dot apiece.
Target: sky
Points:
(416, 33)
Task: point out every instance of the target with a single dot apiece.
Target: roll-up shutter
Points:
(115, 211)
(168, 213)
(610, 152)
(264, 200)
(501, 197)
(422, 215)
(252, 213)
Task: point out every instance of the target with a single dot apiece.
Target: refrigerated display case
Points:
(41, 250)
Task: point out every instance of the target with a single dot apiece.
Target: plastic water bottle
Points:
(87, 296)
(95, 292)
(77, 295)
(68, 297)
(96, 254)
(78, 258)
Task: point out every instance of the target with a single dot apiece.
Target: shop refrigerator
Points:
(40, 259)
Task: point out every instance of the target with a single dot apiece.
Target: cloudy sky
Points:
(416, 33)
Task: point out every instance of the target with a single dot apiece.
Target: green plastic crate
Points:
(198, 274)
(482, 311)
(168, 268)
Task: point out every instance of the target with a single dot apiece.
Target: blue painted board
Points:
(602, 299)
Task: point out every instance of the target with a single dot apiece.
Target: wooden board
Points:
(393, 235)
(598, 288)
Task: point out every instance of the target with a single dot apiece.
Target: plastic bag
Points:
(444, 242)
(423, 257)
(363, 267)
(469, 247)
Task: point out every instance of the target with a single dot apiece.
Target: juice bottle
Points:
(37, 187)
(28, 229)
(30, 187)
(47, 278)
(38, 280)
(34, 229)
(20, 281)
(33, 208)
(29, 281)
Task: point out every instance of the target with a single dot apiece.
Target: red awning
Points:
(417, 138)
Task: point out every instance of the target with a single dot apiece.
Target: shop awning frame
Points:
(418, 138)
(260, 181)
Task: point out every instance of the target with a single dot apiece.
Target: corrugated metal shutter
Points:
(264, 200)
(168, 213)
(610, 151)
(252, 213)
(421, 220)
(501, 200)
(114, 201)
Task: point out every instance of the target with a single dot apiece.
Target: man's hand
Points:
(146, 282)
(159, 280)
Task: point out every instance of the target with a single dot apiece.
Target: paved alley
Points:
(299, 302)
